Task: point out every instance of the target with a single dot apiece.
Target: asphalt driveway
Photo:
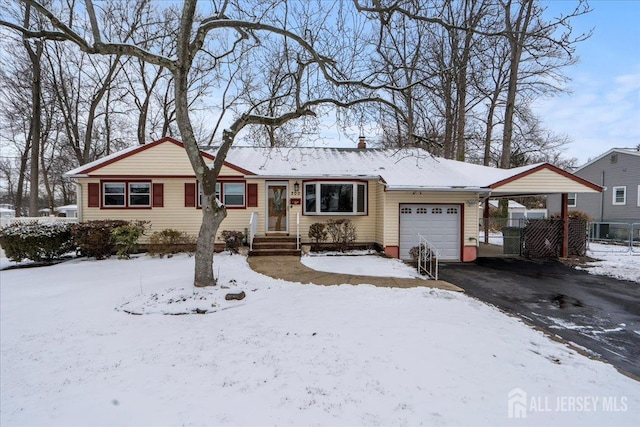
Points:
(599, 313)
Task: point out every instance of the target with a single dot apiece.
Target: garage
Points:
(439, 224)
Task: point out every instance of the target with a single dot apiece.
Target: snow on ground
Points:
(614, 262)
(362, 265)
(288, 354)
(494, 238)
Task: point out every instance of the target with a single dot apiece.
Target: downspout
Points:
(79, 201)
(602, 198)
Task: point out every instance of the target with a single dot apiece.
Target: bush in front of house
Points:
(318, 232)
(232, 240)
(95, 238)
(415, 254)
(169, 242)
(36, 241)
(342, 232)
(125, 237)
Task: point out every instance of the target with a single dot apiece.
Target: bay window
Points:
(335, 198)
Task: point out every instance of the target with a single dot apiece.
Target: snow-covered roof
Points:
(630, 151)
(67, 207)
(399, 169)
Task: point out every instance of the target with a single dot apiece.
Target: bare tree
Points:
(320, 77)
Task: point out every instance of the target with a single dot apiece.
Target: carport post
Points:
(485, 218)
(565, 224)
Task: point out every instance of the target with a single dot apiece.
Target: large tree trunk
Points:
(517, 35)
(35, 56)
(212, 213)
(212, 217)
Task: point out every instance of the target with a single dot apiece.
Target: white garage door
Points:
(439, 224)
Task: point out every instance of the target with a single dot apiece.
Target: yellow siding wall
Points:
(393, 199)
(380, 213)
(542, 182)
(163, 159)
(173, 215)
(365, 225)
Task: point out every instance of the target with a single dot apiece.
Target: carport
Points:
(543, 179)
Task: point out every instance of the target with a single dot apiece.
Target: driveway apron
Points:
(599, 313)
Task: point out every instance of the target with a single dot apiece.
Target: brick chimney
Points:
(362, 144)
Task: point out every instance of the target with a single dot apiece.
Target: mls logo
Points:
(517, 403)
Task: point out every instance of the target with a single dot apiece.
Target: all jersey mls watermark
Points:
(520, 404)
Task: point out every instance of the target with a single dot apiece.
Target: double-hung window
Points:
(335, 198)
(139, 194)
(126, 194)
(114, 194)
(231, 194)
(572, 200)
(620, 195)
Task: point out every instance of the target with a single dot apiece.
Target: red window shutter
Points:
(94, 195)
(189, 195)
(252, 195)
(158, 195)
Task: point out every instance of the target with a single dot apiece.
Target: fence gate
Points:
(542, 238)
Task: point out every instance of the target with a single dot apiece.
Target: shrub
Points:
(318, 232)
(35, 241)
(573, 214)
(169, 242)
(126, 237)
(342, 232)
(94, 238)
(414, 252)
(232, 240)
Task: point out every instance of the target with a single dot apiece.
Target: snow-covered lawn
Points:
(288, 354)
(613, 262)
(361, 265)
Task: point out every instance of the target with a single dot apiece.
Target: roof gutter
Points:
(478, 190)
(332, 177)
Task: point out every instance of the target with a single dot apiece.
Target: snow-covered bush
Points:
(126, 237)
(318, 232)
(94, 238)
(36, 241)
(169, 241)
(342, 232)
(232, 240)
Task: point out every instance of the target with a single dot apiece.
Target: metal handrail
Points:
(297, 231)
(253, 228)
(428, 257)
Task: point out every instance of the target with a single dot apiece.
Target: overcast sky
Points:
(603, 111)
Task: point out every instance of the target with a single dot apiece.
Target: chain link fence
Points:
(614, 237)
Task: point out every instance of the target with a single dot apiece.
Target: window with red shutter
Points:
(252, 195)
(190, 195)
(94, 195)
(158, 195)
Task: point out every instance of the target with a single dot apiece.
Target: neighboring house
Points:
(618, 171)
(390, 195)
(68, 211)
(516, 211)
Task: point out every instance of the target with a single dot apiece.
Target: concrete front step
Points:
(270, 239)
(273, 252)
(273, 245)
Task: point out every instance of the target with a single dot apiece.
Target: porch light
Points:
(296, 188)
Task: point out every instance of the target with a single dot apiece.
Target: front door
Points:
(277, 205)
